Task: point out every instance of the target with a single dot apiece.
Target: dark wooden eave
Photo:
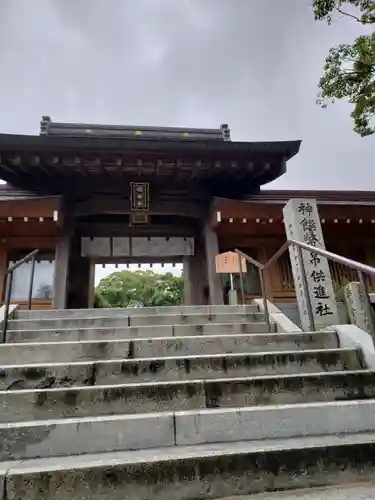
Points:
(53, 164)
(269, 204)
(19, 203)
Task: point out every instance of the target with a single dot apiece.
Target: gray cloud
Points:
(253, 64)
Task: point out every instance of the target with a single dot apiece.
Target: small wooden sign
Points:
(229, 263)
(140, 196)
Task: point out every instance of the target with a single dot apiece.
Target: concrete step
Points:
(75, 436)
(195, 319)
(192, 472)
(131, 311)
(50, 352)
(112, 333)
(136, 320)
(42, 404)
(362, 490)
(125, 371)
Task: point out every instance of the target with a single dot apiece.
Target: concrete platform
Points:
(50, 352)
(74, 436)
(129, 370)
(192, 472)
(42, 404)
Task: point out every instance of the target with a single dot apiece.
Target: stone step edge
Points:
(134, 385)
(219, 470)
(59, 313)
(77, 436)
(199, 412)
(182, 453)
(129, 316)
(187, 357)
(134, 327)
(149, 308)
(273, 335)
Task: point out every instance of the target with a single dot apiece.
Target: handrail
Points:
(8, 290)
(261, 279)
(353, 264)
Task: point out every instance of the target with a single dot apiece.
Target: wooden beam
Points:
(27, 243)
(32, 207)
(117, 229)
(122, 206)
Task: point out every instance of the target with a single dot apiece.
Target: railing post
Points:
(368, 306)
(305, 289)
(8, 293)
(264, 296)
(30, 296)
(241, 279)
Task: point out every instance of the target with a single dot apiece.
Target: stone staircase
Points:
(177, 403)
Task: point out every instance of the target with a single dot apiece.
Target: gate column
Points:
(62, 256)
(214, 281)
(194, 277)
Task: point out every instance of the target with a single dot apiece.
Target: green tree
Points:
(99, 301)
(349, 70)
(141, 289)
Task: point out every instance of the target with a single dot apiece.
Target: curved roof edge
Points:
(47, 143)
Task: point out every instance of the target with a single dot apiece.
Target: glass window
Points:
(43, 277)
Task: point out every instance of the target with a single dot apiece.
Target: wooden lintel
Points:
(122, 206)
(32, 208)
(113, 229)
(26, 242)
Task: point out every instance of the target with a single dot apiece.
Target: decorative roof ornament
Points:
(50, 128)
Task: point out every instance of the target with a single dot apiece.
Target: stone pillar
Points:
(302, 223)
(214, 281)
(355, 303)
(60, 281)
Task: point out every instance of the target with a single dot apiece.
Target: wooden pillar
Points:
(62, 256)
(79, 277)
(214, 281)
(269, 274)
(3, 267)
(193, 280)
(188, 281)
(91, 284)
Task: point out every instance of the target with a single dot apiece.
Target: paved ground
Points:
(361, 491)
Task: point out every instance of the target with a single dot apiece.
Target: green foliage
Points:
(141, 289)
(349, 70)
(99, 301)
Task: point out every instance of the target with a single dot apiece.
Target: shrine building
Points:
(92, 194)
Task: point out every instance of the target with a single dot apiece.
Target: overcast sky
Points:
(253, 64)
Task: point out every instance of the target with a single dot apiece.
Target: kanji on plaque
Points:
(302, 223)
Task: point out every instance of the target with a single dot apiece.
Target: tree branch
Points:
(347, 14)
